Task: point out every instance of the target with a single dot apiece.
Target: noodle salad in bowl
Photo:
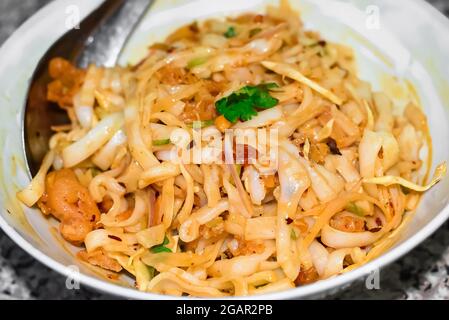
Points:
(242, 156)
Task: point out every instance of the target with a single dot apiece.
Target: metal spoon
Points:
(100, 39)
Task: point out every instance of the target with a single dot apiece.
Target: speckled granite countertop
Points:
(422, 274)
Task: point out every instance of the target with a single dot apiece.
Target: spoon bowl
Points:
(98, 39)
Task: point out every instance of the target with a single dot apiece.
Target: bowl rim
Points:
(316, 288)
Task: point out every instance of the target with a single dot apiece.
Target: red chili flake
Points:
(378, 221)
(381, 153)
(301, 153)
(259, 18)
(289, 220)
(332, 144)
(194, 27)
(307, 276)
(191, 145)
(114, 237)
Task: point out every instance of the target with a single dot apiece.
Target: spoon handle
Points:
(104, 45)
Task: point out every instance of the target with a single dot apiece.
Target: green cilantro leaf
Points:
(151, 272)
(238, 168)
(254, 31)
(95, 172)
(200, 124)
(161, 142)
(230, 33)
(353, 208)
(268, 86)
(293, 235)
(242, 103)
(161, 247)
(196, 62)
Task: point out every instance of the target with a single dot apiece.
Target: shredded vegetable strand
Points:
(32, 193)
(440, 172)
(289, 71)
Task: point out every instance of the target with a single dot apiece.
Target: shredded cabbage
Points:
(439, 174)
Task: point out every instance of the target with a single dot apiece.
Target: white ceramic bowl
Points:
(405, 39)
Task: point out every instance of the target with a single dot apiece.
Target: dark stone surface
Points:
(422, 274)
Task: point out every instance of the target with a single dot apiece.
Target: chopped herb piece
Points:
(254, 31)
(230, 33)
(95, 172)
(353, 208)
(293, 234)
(242, 103)
(151, 271)
(161, 247)
(270, 85)
(196, 62)
(200, 124)
(161, 142)
(238, 168)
